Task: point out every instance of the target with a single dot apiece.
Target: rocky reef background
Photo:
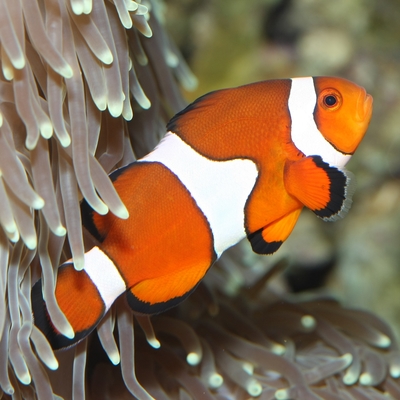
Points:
(355, 259)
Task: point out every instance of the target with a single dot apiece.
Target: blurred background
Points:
(233, 43)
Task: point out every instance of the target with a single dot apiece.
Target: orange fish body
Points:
(235, 163)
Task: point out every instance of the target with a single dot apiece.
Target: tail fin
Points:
(83, 296)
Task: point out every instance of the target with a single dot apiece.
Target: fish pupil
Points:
(330, 100)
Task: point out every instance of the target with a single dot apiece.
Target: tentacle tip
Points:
(254, 388)
(87, 7)
(10, 227)
(122, 213)
(79, 264)
(348, 358)
(145, 103)
(366, 379)
(65, 141)
(8, 73)
(308, 322)
(143, 10)
(384, 341)
(18, 62)
(25, 378)
(350, 378)
(8, 390)
(106, 57)
(38, 203)
(60, 231)
(190, 83)
(13, 236)
(67, 72)
(171, 59)
(101, 208)
(31, 242)
(282, 394)
(68, 332)
(115, 108)
(30, 144)
(132, 6)
(146, 31)
(52, 364)
(127, 23)
(193, 358)
(101, 103)
(154, 343)
(142, 59)
(278, 349)
(215, 381)
(127, 113)
(395, 371)
(114, 358)
(248, 367)
(46, 130)
(77, 8)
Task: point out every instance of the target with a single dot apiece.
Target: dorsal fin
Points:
(174, 123)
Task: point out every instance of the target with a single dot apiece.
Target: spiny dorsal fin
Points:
(183, 117)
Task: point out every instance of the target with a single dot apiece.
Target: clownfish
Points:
(235, 163)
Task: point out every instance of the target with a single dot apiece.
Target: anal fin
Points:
(268, 239)
(324, 189)
(156, 295)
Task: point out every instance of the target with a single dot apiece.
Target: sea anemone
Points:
(86, 87)
(258, 344)
(73, 73)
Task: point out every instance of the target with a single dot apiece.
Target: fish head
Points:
(343, 112)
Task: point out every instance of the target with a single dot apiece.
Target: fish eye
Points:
(330, 100)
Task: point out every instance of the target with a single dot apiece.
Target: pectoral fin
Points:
(268, 239)
(322, 188)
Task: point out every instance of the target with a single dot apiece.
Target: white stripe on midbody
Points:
(220, 188)
(105, 276)
(305, 134)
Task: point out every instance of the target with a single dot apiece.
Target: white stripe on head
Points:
(305, 134)
(104, 275)
(219, 188)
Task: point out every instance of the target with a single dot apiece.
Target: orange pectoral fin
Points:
(268, 239)
(77, 298)
(153, 296)
(322, 188)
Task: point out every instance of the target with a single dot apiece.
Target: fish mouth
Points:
(364, 107)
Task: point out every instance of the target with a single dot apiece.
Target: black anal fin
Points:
(260, 246)
(268, 239)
